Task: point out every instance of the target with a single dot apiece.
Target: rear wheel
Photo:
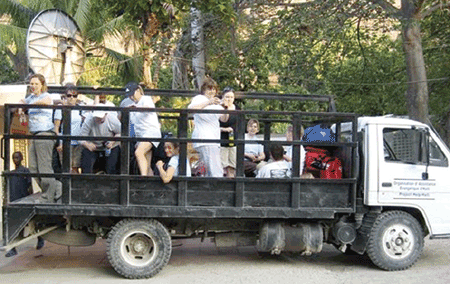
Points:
(396, 241)
(138, 248)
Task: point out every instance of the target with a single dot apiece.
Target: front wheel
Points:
(396, 241)
(138, 248)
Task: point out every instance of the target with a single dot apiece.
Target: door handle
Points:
(386, 184)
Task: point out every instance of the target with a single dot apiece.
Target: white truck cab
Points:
(406, 165)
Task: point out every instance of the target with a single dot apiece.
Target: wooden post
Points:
(66, 159)
(125, 158)
(182, 133)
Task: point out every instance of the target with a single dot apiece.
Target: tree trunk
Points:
(163, 47)
(150, 28)
(417, 90)
(180, 79)
(198, 57)
(20, 65)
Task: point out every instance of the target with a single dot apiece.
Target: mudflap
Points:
(14, 220)
(363, 233)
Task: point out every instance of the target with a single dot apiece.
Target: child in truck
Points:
(253, 153)
(171, 169)
(279, 168)
(20, 186)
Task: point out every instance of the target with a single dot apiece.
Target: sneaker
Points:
(12, 252)
(40, 243)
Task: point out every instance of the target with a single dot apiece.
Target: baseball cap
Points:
(98, 113)
(130, 88)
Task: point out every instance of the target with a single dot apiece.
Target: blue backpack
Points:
(319, 133)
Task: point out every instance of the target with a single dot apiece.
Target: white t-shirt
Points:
(145, 123)
(207, 125)
(279, 169)
(127, 102)
(109, 128)
(174, 162)
(255, 149)
(288, 150)
(75, 125)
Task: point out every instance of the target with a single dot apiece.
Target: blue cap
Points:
(130, 88)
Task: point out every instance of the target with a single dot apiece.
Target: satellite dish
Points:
(55, 47)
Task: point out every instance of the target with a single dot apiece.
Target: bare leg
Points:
(231, 172)
(149, 162)
(141, 157)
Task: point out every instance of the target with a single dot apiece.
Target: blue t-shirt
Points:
(39, 119)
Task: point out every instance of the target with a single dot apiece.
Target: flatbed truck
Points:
(394, 192)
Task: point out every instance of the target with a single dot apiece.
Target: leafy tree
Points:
(7, 73)
(410, 14)
(436, 47)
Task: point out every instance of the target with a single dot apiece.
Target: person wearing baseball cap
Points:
(100, 124)
(146, 125)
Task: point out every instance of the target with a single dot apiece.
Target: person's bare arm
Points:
(166, 176)
(224, 117)
(44, 101)
(202, 105)
(57, 124)
(260, 157)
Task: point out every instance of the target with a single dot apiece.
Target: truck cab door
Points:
(407, 178)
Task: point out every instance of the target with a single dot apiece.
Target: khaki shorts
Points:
(228, 157)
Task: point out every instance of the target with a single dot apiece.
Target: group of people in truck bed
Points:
(217, 159)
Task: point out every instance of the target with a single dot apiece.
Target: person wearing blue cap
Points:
(146, 125)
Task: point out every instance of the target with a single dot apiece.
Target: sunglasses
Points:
(71, 96)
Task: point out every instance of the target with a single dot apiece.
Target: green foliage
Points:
(7, 74)
(316, 49)
(436, 46)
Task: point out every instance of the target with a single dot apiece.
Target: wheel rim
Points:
(138, 248)
(398, 241)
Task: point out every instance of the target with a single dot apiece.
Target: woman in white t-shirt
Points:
(207, 126)
(171, 169)
(146, 125)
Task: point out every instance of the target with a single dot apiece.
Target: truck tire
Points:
(396, 241)
(138, 248)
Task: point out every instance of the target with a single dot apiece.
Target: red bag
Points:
(331, 168)
(314, 156)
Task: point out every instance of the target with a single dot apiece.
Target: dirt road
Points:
(196, 262)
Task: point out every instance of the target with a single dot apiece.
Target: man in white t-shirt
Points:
(277, 169)
(101, 124)
(207, 126)
(146, 125)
